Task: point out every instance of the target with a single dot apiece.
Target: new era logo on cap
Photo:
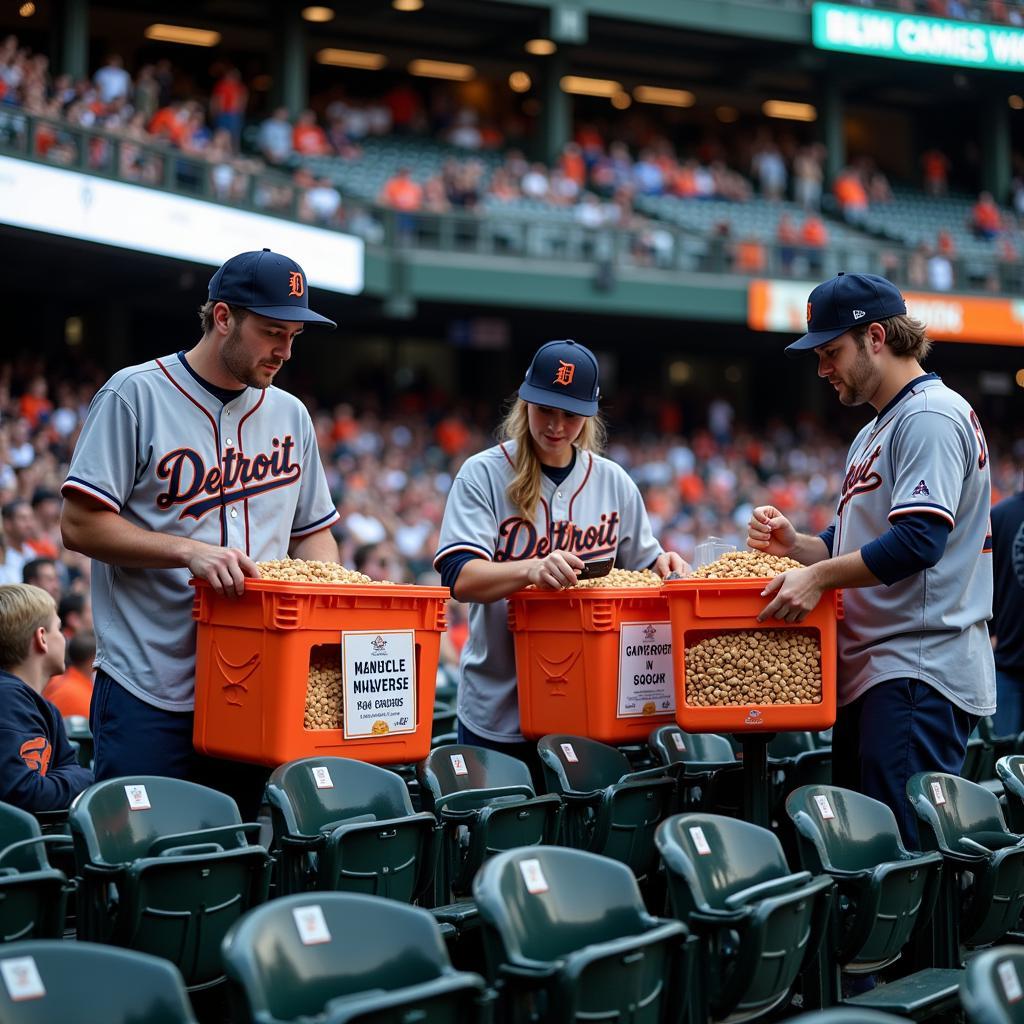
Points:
(266, 283)
(563, 375)
(845, 301)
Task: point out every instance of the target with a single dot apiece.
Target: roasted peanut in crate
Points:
(314, 660)
(735, 674)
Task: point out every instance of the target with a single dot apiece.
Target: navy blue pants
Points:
(131, 737)
(524, 751)
(897, 728)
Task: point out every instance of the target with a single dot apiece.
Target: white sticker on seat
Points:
(322, 777)
(459, 764)
(21, 978)
(700, 841)
(677, 739)
(939, 796)
(824, 807)
(311, 925)
(570, 753)
(533, 876)
(1010, 982)
(138, 798)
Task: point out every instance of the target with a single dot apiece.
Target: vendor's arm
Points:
(90, 527)
(316, 547)
(480, 580)
(771, 532)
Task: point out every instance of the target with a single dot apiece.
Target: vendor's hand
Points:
(556, 572)
(669, 562)
(224, 569)
(795, 594)
(770, 531)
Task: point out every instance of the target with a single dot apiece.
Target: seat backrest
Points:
(580, 764)
(116, 821)
(16, 826)
(456, 767)
(673, 746)
(789, 744)
(953, 807)
(717, 856)
(843, 830)
(547, 901)
(292, 955)
(992, 991)
(313, 792)
(52, 980)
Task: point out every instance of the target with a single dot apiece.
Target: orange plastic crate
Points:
(567, 647)
(252, 666)
(702, 608)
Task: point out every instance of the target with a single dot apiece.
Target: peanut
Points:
(744, 565)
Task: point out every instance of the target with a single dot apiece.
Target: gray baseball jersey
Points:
(596, 512)
(159, 449)
(926, 453)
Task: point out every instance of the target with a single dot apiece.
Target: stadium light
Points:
(788, 111)
(664, 97)
(621, 100)
(1016, 102)
(442, 69)
(579, 86)
(1019, 378)
(27, 10)
(540, 47)
(351, 59)
(318, 14)
(407, 5)
(182, 34)
(519, 81)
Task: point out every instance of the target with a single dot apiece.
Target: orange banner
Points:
(980, 320)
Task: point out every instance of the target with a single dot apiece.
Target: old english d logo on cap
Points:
(565, 374)
(295, 284)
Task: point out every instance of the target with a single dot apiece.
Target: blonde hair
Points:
(23, 609)
(524, 490)
(906, 336)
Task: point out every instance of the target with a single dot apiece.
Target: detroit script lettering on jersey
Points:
(519, 539)
(861, 477)
(237, 478)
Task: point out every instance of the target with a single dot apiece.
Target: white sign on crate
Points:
(379, 671)
(646, 680)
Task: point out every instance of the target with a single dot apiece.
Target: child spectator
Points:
(38, 767)
(71, 692)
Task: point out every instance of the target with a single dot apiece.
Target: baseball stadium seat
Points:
(993, 988)
(758, 922)
(1010, 772)
(608, 809)
(984, 890)
(708, 776)
(344, 825)
(485, 803)
(165, 868)
(567, 936)
(33, 894)
(47, 981)
(77, 728)
(846, 1015)
(345, 957)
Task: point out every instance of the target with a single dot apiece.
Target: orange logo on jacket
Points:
(36, 754)
(566, 372)
(295, 284)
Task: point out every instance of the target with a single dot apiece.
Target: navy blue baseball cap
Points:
(266, 283)
(562, 375)
(844, 302)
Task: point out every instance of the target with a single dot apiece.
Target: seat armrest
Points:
(226, 833)
(61, 841)
(771, 887)
(646, 773)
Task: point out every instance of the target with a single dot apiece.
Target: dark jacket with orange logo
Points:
(38, 768)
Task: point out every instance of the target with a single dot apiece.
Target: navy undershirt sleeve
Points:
(912, 544)
(829, 536)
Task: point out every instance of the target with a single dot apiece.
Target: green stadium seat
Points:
(485, 803)
(985, 864)
(345, 957)
(993, 987)
(165, 868)
(759, 923)
(1010, 772)
(708, 776)
(44, 982)
(344, 825)
(886, 893)
(567, 939)
(608, 808)
(77, 728)
(846, 1015)
(33, 894)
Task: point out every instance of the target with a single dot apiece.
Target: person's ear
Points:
(222, 318)
(876, 337)
(39, 640)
